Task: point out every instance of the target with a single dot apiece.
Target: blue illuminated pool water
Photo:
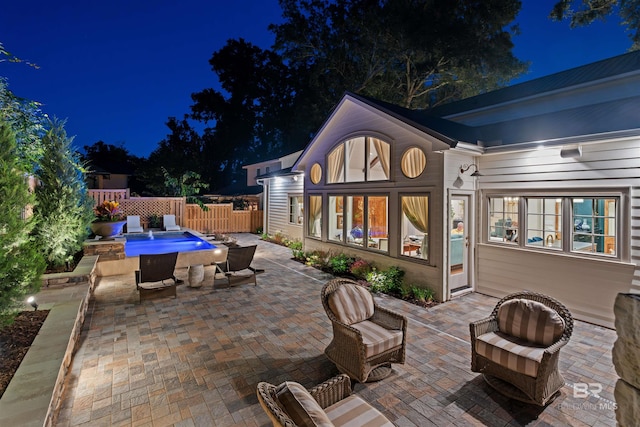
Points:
(163, 243)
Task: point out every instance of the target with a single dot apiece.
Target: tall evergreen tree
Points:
(64, 208)
(21, 262)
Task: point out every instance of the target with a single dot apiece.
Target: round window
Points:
(316, 173)
(414, 162)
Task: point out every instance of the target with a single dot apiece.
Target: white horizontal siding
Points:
(278, 209)
(587, 286)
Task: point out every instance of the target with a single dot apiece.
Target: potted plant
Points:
(109, 220)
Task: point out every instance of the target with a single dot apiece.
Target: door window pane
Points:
(336, 223)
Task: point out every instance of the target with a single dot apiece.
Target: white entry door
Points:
(460, 224)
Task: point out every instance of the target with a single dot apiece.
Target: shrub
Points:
(422, 294)
(21, 263)
(316, 259)
(394, 275)
(155, 221)
(340, 263)
(360, 268)
(378, 281)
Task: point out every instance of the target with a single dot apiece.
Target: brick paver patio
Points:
(196, 360)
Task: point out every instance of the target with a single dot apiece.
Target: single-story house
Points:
(534, 186)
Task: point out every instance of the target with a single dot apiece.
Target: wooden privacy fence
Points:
(106, 195)
(219, 218)
(222, 218)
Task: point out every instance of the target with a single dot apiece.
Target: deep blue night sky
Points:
(117, 70)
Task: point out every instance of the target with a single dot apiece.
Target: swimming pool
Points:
(162, 243)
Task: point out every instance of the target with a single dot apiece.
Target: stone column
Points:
(626, 359)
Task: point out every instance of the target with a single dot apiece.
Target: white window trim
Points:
(623, 219)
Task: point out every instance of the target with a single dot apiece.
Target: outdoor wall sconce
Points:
(465, 168)
(574, 152)
(32, 300)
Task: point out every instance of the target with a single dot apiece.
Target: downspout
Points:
(265, 203)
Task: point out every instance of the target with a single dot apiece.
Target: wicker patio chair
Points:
(329, 403)
(155, 269)
(367, 338)
(518, 359)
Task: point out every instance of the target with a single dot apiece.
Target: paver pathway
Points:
(195, 360)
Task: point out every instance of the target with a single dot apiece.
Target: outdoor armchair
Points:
(154, 270)
(329, 403)
(367, 338)
(517, 347)
(133, 224)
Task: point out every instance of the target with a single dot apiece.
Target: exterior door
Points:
(460, 233)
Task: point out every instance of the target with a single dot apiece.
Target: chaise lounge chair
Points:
(155, 269)
(133, 224)
(169, 222)
(239, 259)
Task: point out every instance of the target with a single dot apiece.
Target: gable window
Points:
(296, 210)
(314, 222)
(359, 159)
(359, 220)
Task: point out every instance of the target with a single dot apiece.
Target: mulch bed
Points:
(15, 340)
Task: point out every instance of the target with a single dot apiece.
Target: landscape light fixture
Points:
(32, 300)
(465, 168)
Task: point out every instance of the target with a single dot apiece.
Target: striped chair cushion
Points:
(531, 321)
(513, 353)
(303, 409)
(353, 411)
(351, 303)
(377, 339)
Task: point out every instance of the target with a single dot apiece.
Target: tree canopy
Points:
(415, 53)
(585, 12)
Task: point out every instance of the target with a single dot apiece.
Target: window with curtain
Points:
(359, 159)
(414, 161)
(296, 210)
(314, 223)
(415, 226)
(359, 220)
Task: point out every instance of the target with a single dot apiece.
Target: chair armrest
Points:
(332, 391)
(388, 319)
(483, 326)
(137, 277)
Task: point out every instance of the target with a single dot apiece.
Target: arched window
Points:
(359, 159)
